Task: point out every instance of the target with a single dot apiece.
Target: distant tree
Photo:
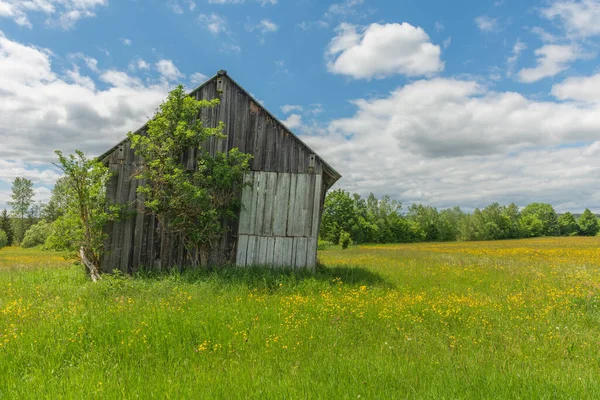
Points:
(531, 225)
(449, 220)
(386, 218)
(513, 217)
(588, 223)
(568, 225)
(6, 226)
(34, 214)
(547, 216)
(58, 201)
(338, 215)
(466, 228)
(496, 222)
(3, 239)
(365, 229)
(427, 218)
(22, 198)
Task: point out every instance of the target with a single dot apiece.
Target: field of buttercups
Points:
(505, 319)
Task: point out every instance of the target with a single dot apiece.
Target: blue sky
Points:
(444, 103)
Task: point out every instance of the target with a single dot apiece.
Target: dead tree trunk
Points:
(94, 274)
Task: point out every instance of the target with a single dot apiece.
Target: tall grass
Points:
(512, 319)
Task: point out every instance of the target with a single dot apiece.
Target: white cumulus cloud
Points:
(585, 89)
(580, 18)
(552, 59)
(168, 70)
(64, 13)
(379, 51)
(42, 110)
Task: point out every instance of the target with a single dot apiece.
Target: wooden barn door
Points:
(279, 220)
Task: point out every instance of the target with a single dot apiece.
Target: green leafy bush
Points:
(65, 234)
(588, 223)
(3, 239)
(37, 234)
(568, 225)
(345, 240)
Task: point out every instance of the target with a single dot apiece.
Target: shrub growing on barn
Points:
(190, 202)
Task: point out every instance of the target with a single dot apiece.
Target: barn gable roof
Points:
(328, 169)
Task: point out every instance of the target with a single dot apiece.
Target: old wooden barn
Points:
(281, 210)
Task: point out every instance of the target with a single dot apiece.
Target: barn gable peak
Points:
(331, 175)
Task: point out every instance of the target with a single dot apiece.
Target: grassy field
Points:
(510, 319)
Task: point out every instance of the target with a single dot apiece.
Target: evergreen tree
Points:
(5, 226)
(22, 196)
(58, 202)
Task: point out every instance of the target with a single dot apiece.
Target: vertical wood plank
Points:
(311, 253)
(255, 194)
(278, 251)
(308, 205)
(126, 253)
(285, 152)
(277, 154)
(301, 244)
(291, 155)
(261, 250)
(247, 204)
(151, 250)
(251, 251)
(299, 214)
(288, 247)
(270, 190)
(316, 213)
(270, 258)
(293, 249)
(291, 206)
(117, 235)
(258, 142)
(268, 145)
(260, 202)
(109, 243)
(138, 232)
(282, 198)
(242, 249)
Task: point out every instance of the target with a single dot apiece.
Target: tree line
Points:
(349, 218)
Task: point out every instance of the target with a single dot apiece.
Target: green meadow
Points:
(497, 320)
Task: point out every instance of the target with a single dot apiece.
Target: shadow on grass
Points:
(270, 278)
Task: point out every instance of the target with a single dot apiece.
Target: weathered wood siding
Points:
(139, 240)
(279, 220)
